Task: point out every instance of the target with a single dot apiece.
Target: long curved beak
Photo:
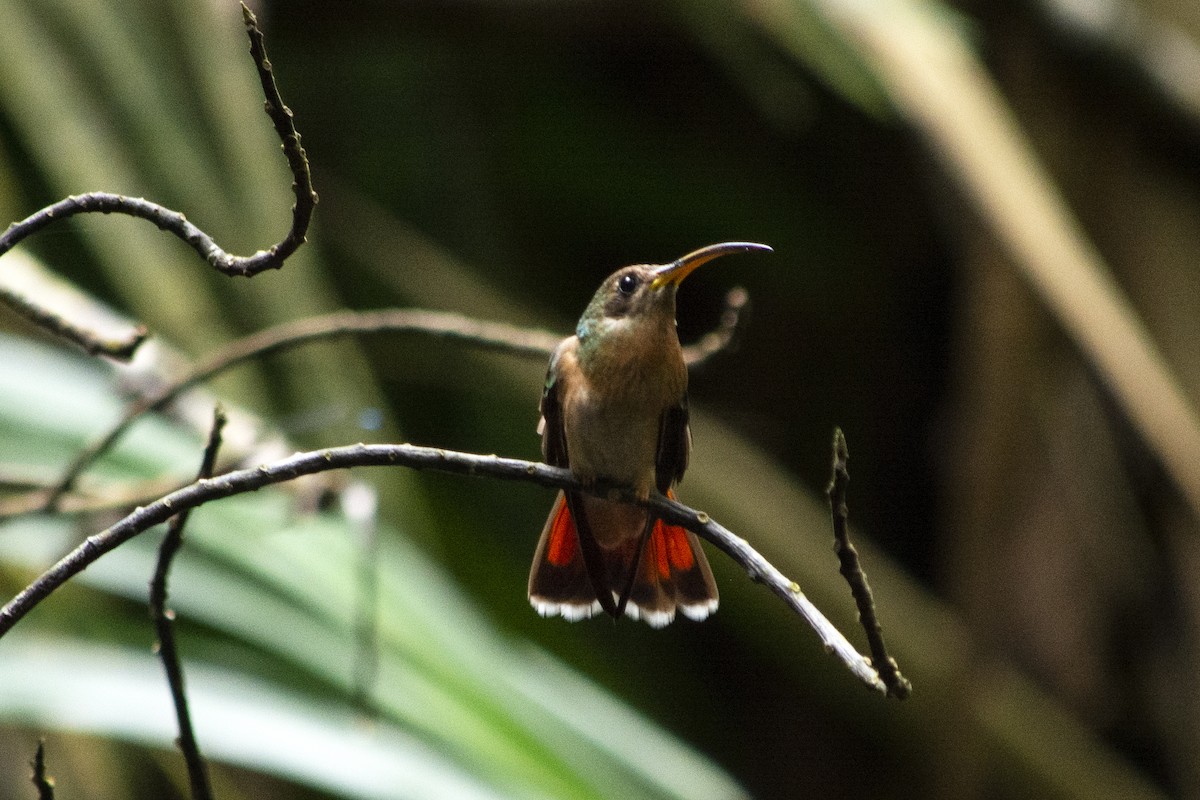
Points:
(680, 268)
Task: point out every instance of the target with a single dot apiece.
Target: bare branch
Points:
(487, 335)
(196, 767)
(494, 336)
(428, 458)
(889, 672)
(94, 497)
(121, 349)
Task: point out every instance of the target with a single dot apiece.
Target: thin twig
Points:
(721, 338)
(494, 336)
(889, 672)
(93, 498)
(415, 457)
(285, 129)
(196, 767)
(92, 342)
(43, 782)
(175, 222)
(487, 335)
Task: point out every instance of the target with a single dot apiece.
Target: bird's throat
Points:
(640, 363)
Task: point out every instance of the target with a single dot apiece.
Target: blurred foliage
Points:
(1034, 563)
(456, 710)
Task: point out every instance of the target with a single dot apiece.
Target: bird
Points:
(614, 411)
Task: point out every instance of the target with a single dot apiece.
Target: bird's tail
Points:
(657, 572)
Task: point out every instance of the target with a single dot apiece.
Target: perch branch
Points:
(889, 672)
(175, 222)
(428, 458)
(162, 617)
(494, 336)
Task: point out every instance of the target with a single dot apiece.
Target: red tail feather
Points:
(563, 545)
(671, 573)
(558, 582)
(672, 551)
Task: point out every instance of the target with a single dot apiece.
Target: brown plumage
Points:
(614, 408)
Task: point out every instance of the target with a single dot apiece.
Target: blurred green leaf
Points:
(55, 683)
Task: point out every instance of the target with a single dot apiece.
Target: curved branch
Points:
(175, 222)
(285, 129)
(428, 458)
(494, 336)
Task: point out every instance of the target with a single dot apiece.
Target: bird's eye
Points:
(628, 284)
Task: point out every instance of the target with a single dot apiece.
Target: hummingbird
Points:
(614, 410)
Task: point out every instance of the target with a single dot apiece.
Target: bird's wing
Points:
(554, 436)
(674, 445)
(554, 451)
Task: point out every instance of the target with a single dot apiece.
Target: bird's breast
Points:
(612, 411)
